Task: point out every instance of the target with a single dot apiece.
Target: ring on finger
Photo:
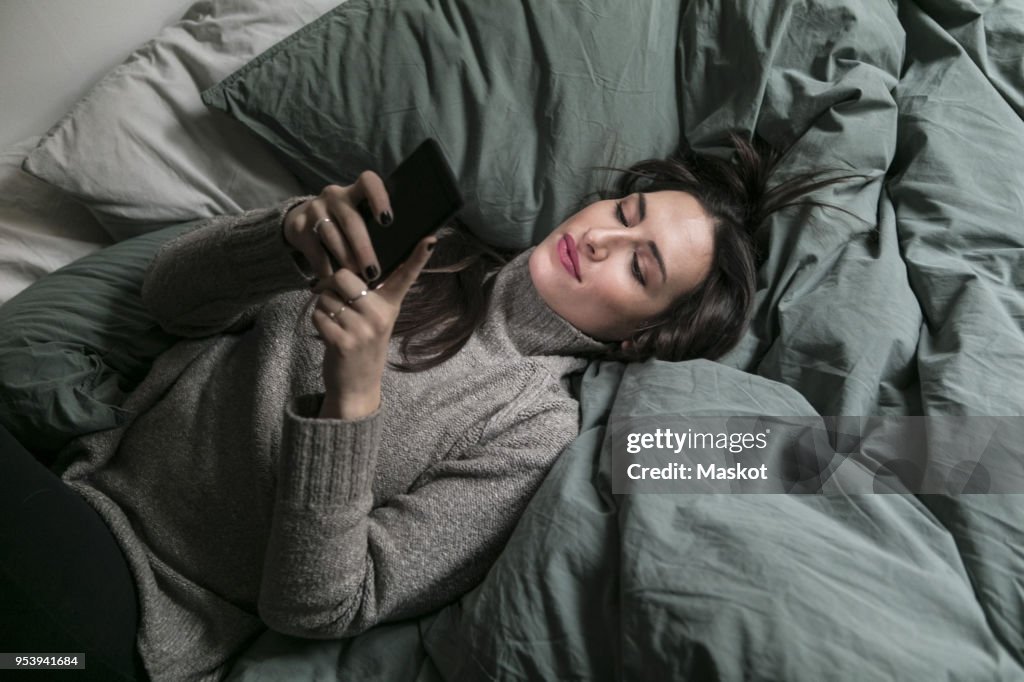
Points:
(356, 297)
(334, 313)
(316, 225)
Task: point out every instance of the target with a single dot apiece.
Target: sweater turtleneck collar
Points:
(533, 327)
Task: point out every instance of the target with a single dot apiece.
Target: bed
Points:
(908, 303)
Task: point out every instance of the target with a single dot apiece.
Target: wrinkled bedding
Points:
(914, 309)
(41, 229)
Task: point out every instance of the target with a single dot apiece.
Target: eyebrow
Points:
(650, 243)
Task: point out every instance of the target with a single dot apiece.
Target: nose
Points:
(600, 242)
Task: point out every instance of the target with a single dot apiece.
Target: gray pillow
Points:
(524, 98)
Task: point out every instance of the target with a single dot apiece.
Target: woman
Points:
(322, 471)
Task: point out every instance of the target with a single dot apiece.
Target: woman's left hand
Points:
(356, 323)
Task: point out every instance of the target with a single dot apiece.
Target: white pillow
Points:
(143, 152)
(41, 228)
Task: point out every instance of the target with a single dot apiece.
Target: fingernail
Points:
(313, 282)
(430, 246)
(371, 273)
(385, 218)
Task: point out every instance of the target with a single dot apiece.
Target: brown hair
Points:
(450, 299)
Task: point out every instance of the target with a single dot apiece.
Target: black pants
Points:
(65, 586)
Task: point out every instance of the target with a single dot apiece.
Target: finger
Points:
(371, 187)
(344, 312)
(331, 332)
(331, 236)
(295, 223)
(302, 224)
(318, 261)
(398, 283)
(332, 304)
(330, 309)
(344, 286)
(352, 225)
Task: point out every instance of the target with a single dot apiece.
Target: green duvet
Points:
(916, 308)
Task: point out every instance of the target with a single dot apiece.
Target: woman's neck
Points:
(533, 327)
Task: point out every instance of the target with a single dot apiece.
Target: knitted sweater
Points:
(238, 508)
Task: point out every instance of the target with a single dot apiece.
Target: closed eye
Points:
(620, 214)
(636, 270)
(638, 274)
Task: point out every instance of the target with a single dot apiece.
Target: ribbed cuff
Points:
(326, 461)
(260, 253)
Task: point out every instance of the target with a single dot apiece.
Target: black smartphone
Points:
(424, 196)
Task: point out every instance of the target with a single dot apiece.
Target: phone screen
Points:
(424, 196)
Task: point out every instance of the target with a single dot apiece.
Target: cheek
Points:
(628, 303)
(616, 303)
(618, 287)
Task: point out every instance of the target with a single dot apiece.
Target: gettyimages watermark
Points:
(813, 455)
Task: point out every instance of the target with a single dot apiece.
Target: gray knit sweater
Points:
(238, 508)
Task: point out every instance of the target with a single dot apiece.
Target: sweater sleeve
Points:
(336, 566)
(215, 277)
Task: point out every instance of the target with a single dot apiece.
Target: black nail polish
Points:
(430, 246)
(313, 283)
(371, 273)
(385, 218)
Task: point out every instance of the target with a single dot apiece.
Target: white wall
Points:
(52, 51)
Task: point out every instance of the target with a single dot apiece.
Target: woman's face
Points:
(617, 263)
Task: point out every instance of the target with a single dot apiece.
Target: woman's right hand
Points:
(331, 223)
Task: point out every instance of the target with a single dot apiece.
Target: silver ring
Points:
(334, 313)
(356, 298)
(316, 225)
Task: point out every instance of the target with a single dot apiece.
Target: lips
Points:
(569, 256)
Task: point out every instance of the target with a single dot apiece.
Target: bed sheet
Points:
(41, 227)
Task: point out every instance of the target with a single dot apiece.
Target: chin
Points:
(541, 263)
(534, 264)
